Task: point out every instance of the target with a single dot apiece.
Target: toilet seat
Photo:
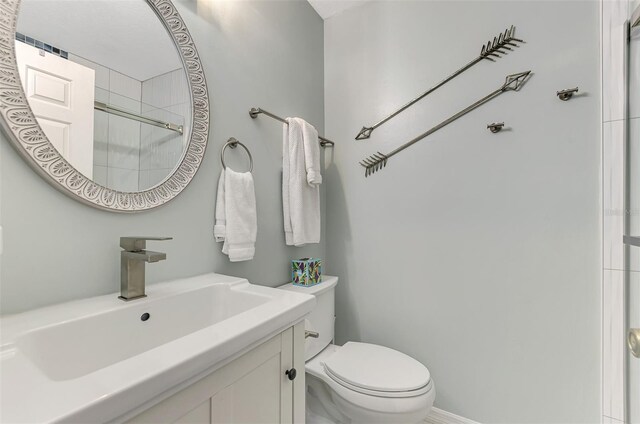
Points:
(407, 406)
(377, 370)
(379, 393)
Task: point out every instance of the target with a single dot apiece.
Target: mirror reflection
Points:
(107, 86)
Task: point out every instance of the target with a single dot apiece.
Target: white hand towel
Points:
(236, 218)
(300, 183)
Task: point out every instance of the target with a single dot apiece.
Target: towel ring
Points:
(233, 143)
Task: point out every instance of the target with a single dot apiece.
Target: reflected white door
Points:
(61, 95)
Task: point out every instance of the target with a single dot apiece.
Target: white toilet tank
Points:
(322, 317)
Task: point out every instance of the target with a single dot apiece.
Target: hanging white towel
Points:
(301, 181)
(236, 218)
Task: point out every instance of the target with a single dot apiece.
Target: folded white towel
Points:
(236, 218)
(300, 182)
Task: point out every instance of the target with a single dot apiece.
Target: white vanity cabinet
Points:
(253, 388)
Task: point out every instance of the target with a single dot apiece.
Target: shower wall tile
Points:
(634, 76)
(613, 196)
(634, 191)
(160, 148)
(122, 179)
(100, 138)
(166, 89)
(125, 85)
(124, 143)
(634, 366)
(102, 95)
(614, 16)
(151, 178)
(100, 174)
(124, 102)
(614, 344)
(179, 87)
(102, 72)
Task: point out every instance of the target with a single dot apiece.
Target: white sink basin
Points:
(98, 360)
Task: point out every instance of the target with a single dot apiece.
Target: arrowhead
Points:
(515, 81)
(364, 133)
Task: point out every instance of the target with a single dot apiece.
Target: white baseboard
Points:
(438, 416)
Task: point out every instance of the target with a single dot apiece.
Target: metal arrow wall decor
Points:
(500, 45)
(379, 160)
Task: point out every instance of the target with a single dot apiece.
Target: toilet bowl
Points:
(358, 383)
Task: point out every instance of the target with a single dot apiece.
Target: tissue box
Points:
(306, 271)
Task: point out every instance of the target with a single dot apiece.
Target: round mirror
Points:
(102, 103)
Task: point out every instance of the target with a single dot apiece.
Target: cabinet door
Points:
(262, 396)
(200, 415)
(253, 388)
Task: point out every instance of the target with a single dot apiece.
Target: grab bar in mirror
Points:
(255, 111)
(130, 115)
(632, 241)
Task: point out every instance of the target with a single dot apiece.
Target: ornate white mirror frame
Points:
(22, 129)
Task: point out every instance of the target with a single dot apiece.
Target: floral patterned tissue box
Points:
(306, 271)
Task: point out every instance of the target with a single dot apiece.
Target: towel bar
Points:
(255, 111)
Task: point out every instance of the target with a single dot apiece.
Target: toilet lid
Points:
(377, 368)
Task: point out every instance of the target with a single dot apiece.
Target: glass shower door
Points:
(632, 225)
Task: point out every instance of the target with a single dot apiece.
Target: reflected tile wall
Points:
(166, 98)
(634, 365)
(634, 189)
(613, 330)
(102, 72)
(129, 155)
(634, 75)
(615, 13)
(100, 138)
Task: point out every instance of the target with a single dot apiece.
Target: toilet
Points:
(358, 383)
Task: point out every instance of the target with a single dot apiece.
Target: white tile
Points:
(102, 72)
(614, 344)
(183, 113)
(100, 138)
(613, 196)
(614, 16)
(157, 91)
(634, 75)
(146, 92)
(125, 85)
(100, 174)
(102, 95)
(124, 143)
(634, 191)
(124, 102)
(160, 148)
(606, 345)
(616, 279)
(634, 363)
(122, 179)
(179, 87)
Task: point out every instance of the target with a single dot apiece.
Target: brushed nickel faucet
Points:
(132, 260)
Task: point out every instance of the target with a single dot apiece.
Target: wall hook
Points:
(566, 94)
(495, 127)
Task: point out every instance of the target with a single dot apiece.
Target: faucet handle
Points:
(133, 244)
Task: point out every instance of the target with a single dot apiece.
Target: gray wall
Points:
(476, 253)
(267, 54)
